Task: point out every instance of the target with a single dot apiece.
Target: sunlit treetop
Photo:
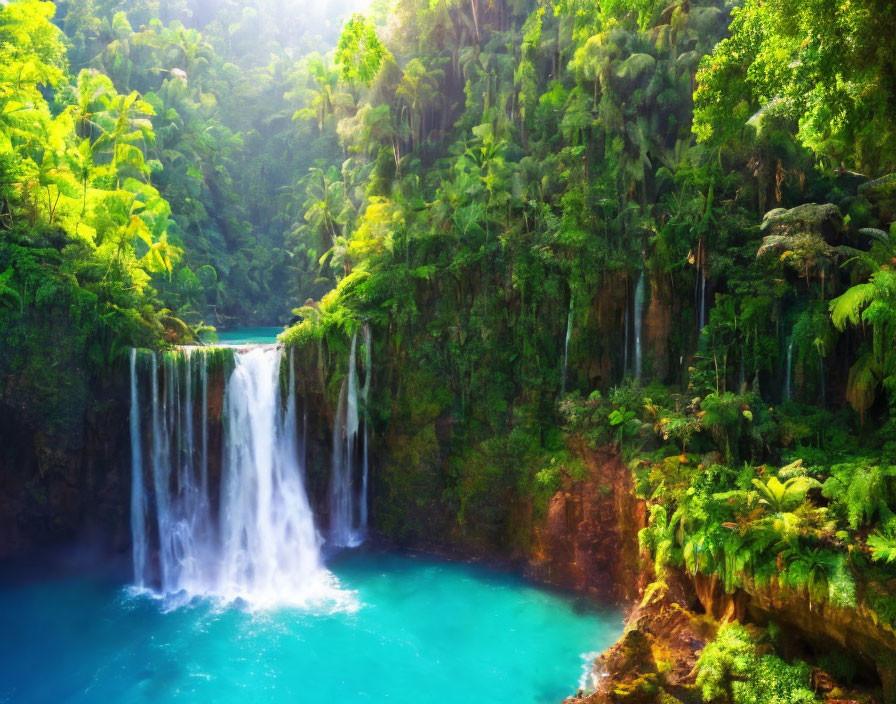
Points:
(360, 53)
(825, 65)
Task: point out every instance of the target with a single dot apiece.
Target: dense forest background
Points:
(664, 226)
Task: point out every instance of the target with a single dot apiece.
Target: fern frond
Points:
(848, 307)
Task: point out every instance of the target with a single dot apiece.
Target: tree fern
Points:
(848, 307)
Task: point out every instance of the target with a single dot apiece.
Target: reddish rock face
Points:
(662, 630)
(589, 539)
(609, 316)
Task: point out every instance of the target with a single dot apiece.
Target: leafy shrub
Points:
(733, 667)
(862, 492)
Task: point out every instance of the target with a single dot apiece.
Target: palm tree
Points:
(417, 91)
(325, 98)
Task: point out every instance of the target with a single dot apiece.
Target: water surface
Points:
(420, 631)
(249, 336)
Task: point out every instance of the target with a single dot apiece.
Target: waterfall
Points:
(161, 480)
(270, 545)
(788, 394)
(822, 388)
(701, 300)
(203, 377)
(566, 348)
(365, 393)
(343, 526)
(255, 540)
(639, 314)
(138, 499)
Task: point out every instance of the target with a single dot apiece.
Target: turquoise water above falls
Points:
(422, 631)
(249, 336)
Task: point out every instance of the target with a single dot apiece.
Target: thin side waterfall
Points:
(638, 315)
(701, 300)
(255, 540)
(343, 522)
(566, 348)
(365, 394)
(822, 388)
(788, 392)
(138, 497)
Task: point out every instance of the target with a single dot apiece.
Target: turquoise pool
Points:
(410, 630)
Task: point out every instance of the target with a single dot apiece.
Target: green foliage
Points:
(883, 545)
(360, 53)
(624, 421)
(472, 180)
(733, 668)
(862, 492)
(797, 62)
(784, 496)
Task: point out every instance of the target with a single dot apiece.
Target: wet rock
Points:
(654, 662)
(824, 220)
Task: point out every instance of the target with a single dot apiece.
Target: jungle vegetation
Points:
(471, 178)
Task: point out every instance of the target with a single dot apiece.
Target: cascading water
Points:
(701, 300)
(638, 317)
(138, 498)
(348, 505)
(566, 348)
(270, 545)
(365, 393)
(256, 540)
